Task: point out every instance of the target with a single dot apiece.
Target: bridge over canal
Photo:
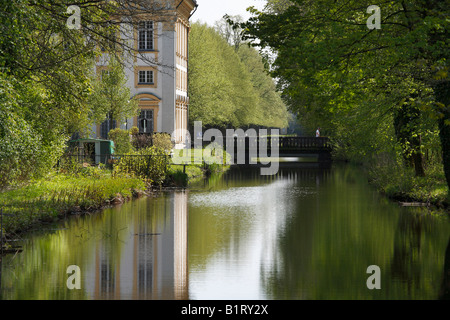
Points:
(290, 149)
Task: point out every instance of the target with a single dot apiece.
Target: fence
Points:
(136, 163)
(108, 160)
(298, 143)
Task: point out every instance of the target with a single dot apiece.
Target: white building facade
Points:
(158, 72)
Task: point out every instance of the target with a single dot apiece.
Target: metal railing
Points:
(298, 143)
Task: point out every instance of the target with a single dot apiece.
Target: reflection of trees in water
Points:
(327, 246)
(445, 287)
(252, 175)
(123, 252)
(405, 265)
(409, 260)
(292, 277)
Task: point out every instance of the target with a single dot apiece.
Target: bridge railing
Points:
(294, 143)
(304, 143)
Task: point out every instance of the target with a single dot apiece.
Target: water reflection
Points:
(445, 288)
(307, 233)
(136, 251)
(310, 234)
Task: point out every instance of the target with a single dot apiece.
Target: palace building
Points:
(158, 73)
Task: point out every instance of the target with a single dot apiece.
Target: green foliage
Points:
(141, 141)
(122, 141)
(27, 147)
(224, 90)
(270, 106)
(134, 131)
(47, 84)
(178, 178)
(70, 165)
(399, 182)
(162, 141)
(58, 194)
(110, 94)
(148, 164)
(371, 91)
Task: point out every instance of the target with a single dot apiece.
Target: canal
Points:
(306, 233)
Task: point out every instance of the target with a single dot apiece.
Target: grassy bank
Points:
(60, 194)
(401, 184)
(180, 175)
(89, 189)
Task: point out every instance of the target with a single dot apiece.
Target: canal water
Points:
(306, 233)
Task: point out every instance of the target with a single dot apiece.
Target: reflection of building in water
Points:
(152, 262)
(181, 244)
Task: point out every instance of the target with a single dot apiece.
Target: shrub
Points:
(27, 148)
(122, 141)
(179, 178)
(141, 141)
(163, 141)
(148, 164)
(134, 131)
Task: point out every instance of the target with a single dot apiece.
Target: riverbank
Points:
(400, 184)
(59, 195)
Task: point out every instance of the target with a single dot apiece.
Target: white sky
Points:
(210, 11)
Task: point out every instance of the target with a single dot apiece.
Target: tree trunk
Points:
(418, 164)
(404, 121)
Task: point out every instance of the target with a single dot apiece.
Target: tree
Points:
(331, 64)
(229, 87)
(232, 33)
(111, 96)
(220, 89)
(46, 67)
(270, 103)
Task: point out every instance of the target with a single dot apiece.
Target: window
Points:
(146, 77)
(145, 121)
(146, 35)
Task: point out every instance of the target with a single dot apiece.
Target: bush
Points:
(122, 141)
(26, 150)
(158, 140)
(141, 141)
(163, 141)
(179, 178)
(134, 131)
(148, 164)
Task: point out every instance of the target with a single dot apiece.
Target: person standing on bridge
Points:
(318, 132)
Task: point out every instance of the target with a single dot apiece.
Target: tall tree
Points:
(270, 103)
(329, 60)
(110, 95)
(45, 72)
(228, 87)
(221, 92)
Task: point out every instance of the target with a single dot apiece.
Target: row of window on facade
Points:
(145, 119)
(145, 124)
(146, 38)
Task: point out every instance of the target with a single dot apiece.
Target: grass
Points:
(400, 183)
(191, 167)
(58, 194)
(75, 188)
(180, 176)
